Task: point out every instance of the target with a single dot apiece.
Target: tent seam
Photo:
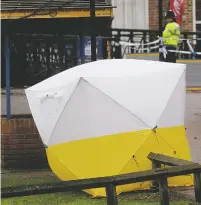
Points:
(170, 97)
(63, 110)
(64, 164)
(118, 104)
(135, 151)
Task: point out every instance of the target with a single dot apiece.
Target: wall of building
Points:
(153, 13)
(21, 146)
(130, 14)
(143, 14)
(187, 18)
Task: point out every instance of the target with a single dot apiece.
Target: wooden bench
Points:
(159, 159)
(110, 183)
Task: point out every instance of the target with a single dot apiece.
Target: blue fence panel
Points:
(85, 49)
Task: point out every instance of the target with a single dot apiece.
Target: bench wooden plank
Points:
(74, 185)
(166, 160)
(111, 195)
(163, 191)
(155, 165)
(100, 182)
(154, 174)
(197, 186)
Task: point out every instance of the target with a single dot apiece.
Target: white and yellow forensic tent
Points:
(103, 118)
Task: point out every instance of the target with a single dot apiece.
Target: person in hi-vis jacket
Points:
(170, 39)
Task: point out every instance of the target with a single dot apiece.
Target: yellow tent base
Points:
(119, 154)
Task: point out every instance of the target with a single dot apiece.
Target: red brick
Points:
(21, 142)
(3, 147)
(22, 151)
(15, 126)
(12, 126)
(10, 141)
(17, 146)
(32, 136)
(29, 141)
(31, 126)
(5, 128)
(24, 157)
(34, 146)
(17, 136)
(5, 136)
(24, 127)
(36, 130)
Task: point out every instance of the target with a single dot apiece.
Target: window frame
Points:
(195, 22)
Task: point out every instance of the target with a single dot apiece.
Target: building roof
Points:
(42, 5)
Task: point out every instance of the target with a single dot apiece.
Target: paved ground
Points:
(192, 119)
(19, 104)
(193, 124)
(193, 73)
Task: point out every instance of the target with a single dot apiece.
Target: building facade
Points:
(197, 14)
(143, 14)
(130, 14)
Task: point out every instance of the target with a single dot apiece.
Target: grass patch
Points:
(74, 198)
(27, 178)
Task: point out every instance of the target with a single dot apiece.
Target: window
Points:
(198, 27)
(198, 15)
(198, 10)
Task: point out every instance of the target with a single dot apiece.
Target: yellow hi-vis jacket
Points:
(172, 32)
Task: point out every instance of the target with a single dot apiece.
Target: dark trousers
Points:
(170, 57)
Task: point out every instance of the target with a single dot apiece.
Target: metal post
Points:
(93, 35)
(160, 15)
(7, 58)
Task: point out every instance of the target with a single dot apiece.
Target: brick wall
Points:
(187, 18)
(21, 146)
(153, 13)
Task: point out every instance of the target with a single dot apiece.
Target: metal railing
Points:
(140, 37)
(35, 58)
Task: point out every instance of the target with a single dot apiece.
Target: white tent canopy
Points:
(103, 118)
(147, 89)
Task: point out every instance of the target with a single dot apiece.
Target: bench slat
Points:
(166, 160)
(100, 182)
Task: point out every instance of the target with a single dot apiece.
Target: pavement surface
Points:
(193, 124)
(193, 71)
(19, 106)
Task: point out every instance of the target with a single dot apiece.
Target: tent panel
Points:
(173, 114)
(171, 142)
(165, 142)
(100, 156)
(90, 113)
(133, 166)
(119, 154)
(107, 68)
(144, 97)
(47, 106)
